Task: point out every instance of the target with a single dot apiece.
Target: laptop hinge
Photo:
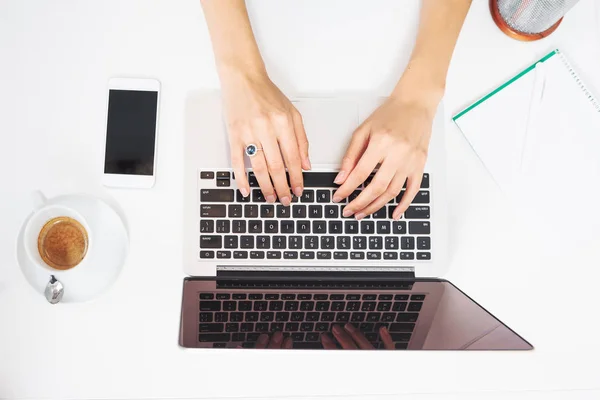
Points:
(325, 273)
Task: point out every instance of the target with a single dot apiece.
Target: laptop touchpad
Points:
(329, 124)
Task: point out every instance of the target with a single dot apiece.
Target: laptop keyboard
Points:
(311, 228)
(238, 319)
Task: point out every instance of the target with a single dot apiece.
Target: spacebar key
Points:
(308, 345)
(214, 337)
(319, 179)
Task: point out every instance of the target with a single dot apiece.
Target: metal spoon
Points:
(54, 290)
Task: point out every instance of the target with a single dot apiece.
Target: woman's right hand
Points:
(257, 112)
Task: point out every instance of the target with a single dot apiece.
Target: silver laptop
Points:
(258, 268)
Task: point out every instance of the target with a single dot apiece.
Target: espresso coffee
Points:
(62, 243)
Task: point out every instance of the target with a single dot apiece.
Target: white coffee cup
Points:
(43, 213)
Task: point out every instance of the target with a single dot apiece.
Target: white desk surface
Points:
(56, 60)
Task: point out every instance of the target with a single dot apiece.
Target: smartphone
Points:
(131, 132)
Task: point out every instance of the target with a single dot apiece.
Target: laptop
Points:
(257, 268)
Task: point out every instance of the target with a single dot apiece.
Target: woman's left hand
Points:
(395, 137)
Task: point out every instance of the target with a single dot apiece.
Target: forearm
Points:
(232, 38)
(439, 27)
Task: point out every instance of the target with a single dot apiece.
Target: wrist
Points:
(241, 69)
(420, 84)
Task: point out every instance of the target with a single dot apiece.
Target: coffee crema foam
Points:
(62, 243)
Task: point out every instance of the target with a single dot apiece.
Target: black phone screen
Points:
(131, 132)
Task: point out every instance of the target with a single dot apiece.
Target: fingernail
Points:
(285, 201)
(350, 328)
(337, 329)
(271, 199)
(360, 216)
(340, 177)
(308, 162)
(263, 338)
(244, 192)
(298, 191)
(337, 199)
(277, 337)
(347, 212)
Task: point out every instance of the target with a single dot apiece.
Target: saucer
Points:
(104, 261)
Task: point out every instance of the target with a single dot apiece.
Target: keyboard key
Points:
(257, 196)
(276, 306)
(351, 227)
(319, 179)
(323, 255)
(323, 196)
(260, 306)
(401, 297)
(267, 211)
(207, 226)
(283, 211)
(282, 316)
(222, 226)
(295, 242)
(307, 306)
(425, 181)
(298, 316)
(391, 243)
(407, 243)
(308, 345)
(327, 316)
(232, 327)
(373, 255)
(257, 254)
(290, 255)
(384, 306)
(319, 227)
(380, 214)
(311, 242)
(210, 242)
(207, 175)
(417, 212)
(307, 326)
(338, 306)
(247, 327)
(312, 336)
(383, 227)
(255, 296)
(235, 211)
(419, 228)
(366, 327)
(273, 255)
(251, 211)
(207, 296)
(315, 211)
(262, 327)
(297, 336)
(299, 211)
(214, 337)
(231, 242)
(245, 306)
(423, 256)
(238, 226)
(343, 242)
(354, 195)
(271, 296)
(213, 211)
(287, 226)
(254, 226)
(304, 296)
(322, 327)
(221, 317)
(375, 243)
(342, 317)
(327, 242)
(358, 317)
(423, 243)
(400, 196)
(402, 327)
(207, 254)
(223, 254)
(407, 255)
(206, 317)
(367, 227)
(292, 327)
(291, 306)
(288, 296)
(340, 255)
(335, 227)
(303, 227)
(401, 346)
(223, 175)
(216, 195)
(388, 317)
(240, 198)
(353, 306)
(252, 181)
(331, 211)
(421, 198)
(238, 337)
(308, 196)
(236, 316)
(251, 316)
(400, 337)
(399, 306)
(415, 306)
(279, 242)
(357, 255)
(359, 242)
(368, 306)
(247, 242)
(373, 317)
(390, 255)
(210, 306)
(399, 227)
(312, 316)
(263, 242)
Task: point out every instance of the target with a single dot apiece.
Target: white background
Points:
(536, 272)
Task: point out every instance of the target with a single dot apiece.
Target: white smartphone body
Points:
(131, 132)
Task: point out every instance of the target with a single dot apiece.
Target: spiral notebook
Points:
(541, 126)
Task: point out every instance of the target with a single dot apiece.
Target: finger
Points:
(276, 340)
(357, 146)
(391, 192)
(343, 338)
(388, 343)
(262, 341)
(276, 168)
(413, 184)
(261, 171)
(378, 187)
(358, 337)
(327, 342)
(237, 163)
(289, 149)
(359, 174)
(302, 139)
(288, 343)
